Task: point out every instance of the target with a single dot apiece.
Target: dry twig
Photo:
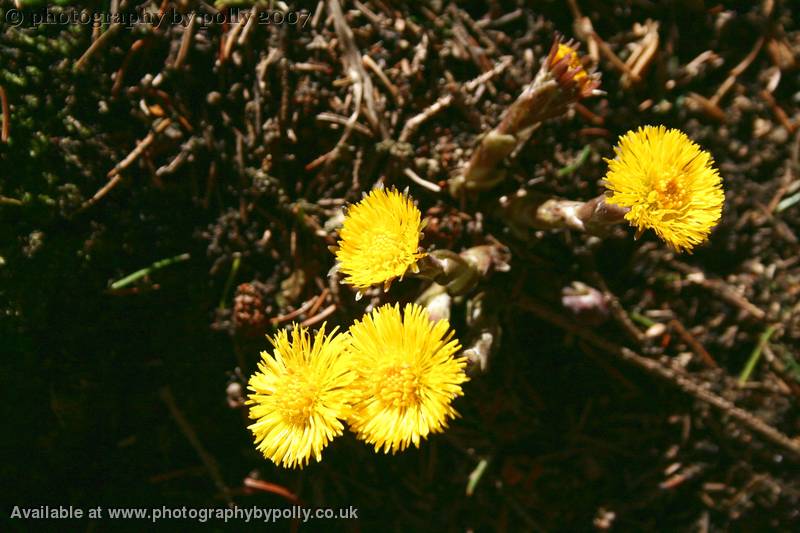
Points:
(698, 349)
(272, 488)
(737, 71)
(680, 380)
(115, 174)
(98, 43)
(5, 132)
(208, 460)
(325, 313)
(720, 288)
(413, 124)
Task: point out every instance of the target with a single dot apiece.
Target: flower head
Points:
(300, 395)
(379, 240)
(406, 379)
(566, 67)
(668, 183)
(570, 56)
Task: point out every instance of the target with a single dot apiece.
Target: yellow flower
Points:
(406, 379)
(572, 59)
(668, 183)
(300, 395)
(379, 240)
(566, 67)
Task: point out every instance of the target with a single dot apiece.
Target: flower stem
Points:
(538, 211)
(539, 101)
(460, 273)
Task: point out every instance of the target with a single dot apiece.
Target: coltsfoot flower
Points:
(379, 240)
(566, 67)
(407, 376)
(300, 395)
(560, 82)
(669, 184)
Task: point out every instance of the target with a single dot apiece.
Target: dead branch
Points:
(680, 380)
(208, 460)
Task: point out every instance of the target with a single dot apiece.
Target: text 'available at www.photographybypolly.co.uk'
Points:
(199, 514)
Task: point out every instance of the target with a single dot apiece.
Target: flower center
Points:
(388, 249)
(299, 402)
(668, 192)
(574, 61)
(398, 387)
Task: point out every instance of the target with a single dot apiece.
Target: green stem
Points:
(476, 475)
(577, 163)
(237, 260)
(641, 319)
(756, 355)
(130, 278)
